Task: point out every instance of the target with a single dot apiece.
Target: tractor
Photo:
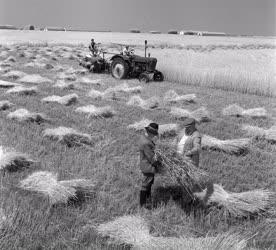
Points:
(126, 66)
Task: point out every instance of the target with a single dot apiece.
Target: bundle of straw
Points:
(232, 110)
(134, 230)
(255, 113)
(239, 204)
(65, 85)
(86, 80)
(14, 74)
(150, 103)
(64, 100)
(93, 111)
(129, 229)
(165, 130)
(69, 136)
(22, 90)
(168, 130)
(80, 185)
(5, 104)
(234, 146)
(23, 115)
(138, 126)
(47, 184)
(11, 59)
(5, 84)
(35, 78)
(83, 188)
(35, 64)
(180, 168)
(257, 132)
(4, 54)
(67, 77)
(200, 115)
(96, 94)
(12, 161)
(236, 110)
(172, 97)
(124, 88)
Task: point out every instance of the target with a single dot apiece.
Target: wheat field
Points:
(103, 150)
(245, 64)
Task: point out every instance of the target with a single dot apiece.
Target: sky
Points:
(243, 17)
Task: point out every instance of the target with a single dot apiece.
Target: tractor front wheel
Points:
(144, 77)
(158, 76)
(119, 68)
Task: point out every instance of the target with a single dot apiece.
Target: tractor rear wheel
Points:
(119, 68)
(158, 76)
(144, 77)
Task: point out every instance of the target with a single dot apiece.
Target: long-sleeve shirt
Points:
(147, 159)
(190, 146)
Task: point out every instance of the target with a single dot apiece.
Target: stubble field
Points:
(30, 222)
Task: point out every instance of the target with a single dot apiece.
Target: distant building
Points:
(8, 27)
(29, 27)
(201, 33)
(135, 31)
(175, 32)
(188, 32)
(155, 32)
(54, 29)
(206, 33)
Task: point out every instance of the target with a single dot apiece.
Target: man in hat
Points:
(148, 163)
(189, 141)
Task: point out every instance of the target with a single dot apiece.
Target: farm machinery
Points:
(124, 66)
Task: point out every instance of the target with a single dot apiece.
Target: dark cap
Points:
(189, 122)
(152, 128)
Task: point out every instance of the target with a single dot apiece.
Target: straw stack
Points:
(11, 160)
(239, 204)
(134, 231)
(234, 146)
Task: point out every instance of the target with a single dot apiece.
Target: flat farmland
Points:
(218, 72)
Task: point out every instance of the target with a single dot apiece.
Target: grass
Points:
(113, 163)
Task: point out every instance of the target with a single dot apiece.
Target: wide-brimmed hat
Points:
(189, 122)
(152, 128)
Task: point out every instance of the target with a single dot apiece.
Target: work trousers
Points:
(148, 180)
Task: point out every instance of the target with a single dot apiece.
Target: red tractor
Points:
(127, 66)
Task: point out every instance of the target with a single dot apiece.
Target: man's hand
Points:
(156, 164)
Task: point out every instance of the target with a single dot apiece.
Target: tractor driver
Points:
(92, 47)
(127, 51)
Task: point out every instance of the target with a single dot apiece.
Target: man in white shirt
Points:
(189, 141)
